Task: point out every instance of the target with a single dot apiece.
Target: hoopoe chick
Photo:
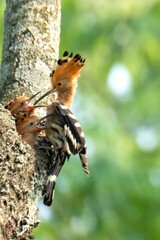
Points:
(21, 104)
(65, 134)
(28, 129)
(64, 78)
(24, 114)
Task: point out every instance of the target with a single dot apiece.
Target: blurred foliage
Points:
(2, 7)
(121, 198)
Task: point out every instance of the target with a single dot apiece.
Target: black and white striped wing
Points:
(74, 134)
(72, 128)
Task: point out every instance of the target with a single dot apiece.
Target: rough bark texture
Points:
(23, 177)
(31, 41)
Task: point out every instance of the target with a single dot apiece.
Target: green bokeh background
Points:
(121, 198)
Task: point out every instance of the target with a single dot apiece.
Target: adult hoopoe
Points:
(65, 134)
(62, 128)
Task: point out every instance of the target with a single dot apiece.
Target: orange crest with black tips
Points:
(68, 69)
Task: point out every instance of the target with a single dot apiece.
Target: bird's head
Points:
(21, 104)
(64, 78)
(67, 72)
(28, 125)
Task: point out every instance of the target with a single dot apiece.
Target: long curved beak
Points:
(33, 96)
(31, 108)
(46, 94)
(40, 120)
(38, 106)
(29, 100)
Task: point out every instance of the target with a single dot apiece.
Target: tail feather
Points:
(55, 170)
(83, 158)
(49, 193)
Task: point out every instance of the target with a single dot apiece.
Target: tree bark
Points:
(31, 41)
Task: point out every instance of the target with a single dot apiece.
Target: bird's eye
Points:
(22, 104)
(31, 124)
(59, 84)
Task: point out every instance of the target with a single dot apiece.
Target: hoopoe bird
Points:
(27, 128)
(65, 134)
(24, 116)
(62, 128)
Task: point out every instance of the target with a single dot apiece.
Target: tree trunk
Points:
(31, 41)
